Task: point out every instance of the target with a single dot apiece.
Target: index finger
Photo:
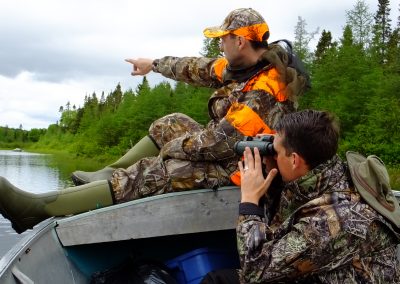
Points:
(130, 60)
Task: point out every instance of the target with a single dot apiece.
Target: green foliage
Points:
(112, 125)
(211, 48)
(323, 46)
(19, 138)
(351, 81)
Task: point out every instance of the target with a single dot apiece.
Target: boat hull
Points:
(71, 249)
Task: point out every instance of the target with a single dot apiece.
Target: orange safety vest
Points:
(241, 116)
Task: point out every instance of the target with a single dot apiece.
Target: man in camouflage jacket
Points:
(322, 231)
(255, 87)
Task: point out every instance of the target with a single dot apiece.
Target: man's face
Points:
(229, 47)
(284, 162)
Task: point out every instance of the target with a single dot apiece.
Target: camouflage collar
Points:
(318, 181)
(242, 75)
(327, 177)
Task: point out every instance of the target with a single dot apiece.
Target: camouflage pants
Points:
(153, 175)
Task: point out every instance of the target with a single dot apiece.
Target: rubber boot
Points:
(25, 209)
(144, 148)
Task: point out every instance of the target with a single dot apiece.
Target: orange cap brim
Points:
(253, 32)
(215, 32)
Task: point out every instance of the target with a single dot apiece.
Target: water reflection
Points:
(30, 172)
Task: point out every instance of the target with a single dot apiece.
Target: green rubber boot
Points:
(144, 148)
(25, 209)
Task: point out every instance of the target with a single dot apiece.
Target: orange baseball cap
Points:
(244, 22)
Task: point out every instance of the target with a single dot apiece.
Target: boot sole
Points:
(77, 181)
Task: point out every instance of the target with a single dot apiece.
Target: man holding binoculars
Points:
(323, 229)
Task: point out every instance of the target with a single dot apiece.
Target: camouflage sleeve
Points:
(263, 258)
(312, 244)
(192, 70)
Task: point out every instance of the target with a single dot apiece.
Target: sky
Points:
(57, 51)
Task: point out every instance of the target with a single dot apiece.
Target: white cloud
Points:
(33, 103)
(53, 52)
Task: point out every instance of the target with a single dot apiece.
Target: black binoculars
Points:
(264, 144)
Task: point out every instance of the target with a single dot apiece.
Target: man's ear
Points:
(297, 161)
(241, 42)
(299, 164)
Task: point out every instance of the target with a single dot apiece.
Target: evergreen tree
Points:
(113, 99)
(393, 57)
(360, 21)
(302, 39)
(382, 31)
(347, 40)
(324, 44)
(90, 112)
(144, 87)
(398, 18)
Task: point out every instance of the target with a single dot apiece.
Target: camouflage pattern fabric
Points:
(193, 156)
(158, 175)
(323, 233)
(245, 22)
(242, 17)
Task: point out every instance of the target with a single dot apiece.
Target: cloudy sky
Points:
(57, 51)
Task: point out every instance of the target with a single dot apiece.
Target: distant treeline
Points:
(16, 137)
(356, 77)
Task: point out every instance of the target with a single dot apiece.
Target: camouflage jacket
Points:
(323, 232)
(215, 142)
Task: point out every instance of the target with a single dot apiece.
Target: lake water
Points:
(31, 172)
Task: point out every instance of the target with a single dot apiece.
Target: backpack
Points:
(294, 60)
(371, 180)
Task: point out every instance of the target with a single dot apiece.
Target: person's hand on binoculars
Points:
(253, 183)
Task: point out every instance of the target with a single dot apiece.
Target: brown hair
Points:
(314, 135)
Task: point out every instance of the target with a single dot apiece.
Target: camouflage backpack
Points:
(371, 180)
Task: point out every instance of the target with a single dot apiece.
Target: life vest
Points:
(241, 116)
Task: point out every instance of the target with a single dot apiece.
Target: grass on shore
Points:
(394, 174)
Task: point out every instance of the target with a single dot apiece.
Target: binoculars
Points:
(264, 144)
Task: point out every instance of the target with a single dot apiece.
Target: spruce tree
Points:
(301, 40)
(324, 44)
(382, 31)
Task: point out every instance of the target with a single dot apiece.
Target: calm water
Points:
(31, 172)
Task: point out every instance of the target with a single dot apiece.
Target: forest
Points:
(356, 77)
